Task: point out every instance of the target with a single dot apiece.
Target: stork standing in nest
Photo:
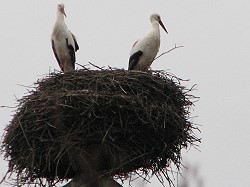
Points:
(64, 43)
(145, 49)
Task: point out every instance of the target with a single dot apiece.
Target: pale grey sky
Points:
(216, 56)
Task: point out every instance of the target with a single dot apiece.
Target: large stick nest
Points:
(116, 121)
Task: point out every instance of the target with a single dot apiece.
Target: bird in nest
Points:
(145, 49)
(64, 43)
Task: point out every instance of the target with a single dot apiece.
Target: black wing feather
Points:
(134, 59)
(75, 41)
(72, 53)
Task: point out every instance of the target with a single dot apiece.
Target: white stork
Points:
(145, 49)
(64, 43)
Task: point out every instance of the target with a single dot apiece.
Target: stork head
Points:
(60, 8)
(157, 18)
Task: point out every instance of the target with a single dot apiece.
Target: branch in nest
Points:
(175, 47)
(3, 106)
(100, 68)
(83, 66)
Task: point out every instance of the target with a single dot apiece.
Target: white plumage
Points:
(145, 49)
(64, 43)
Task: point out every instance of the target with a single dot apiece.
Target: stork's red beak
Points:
(162, 25)
(62, 10)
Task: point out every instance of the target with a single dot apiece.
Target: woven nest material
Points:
(118, 121)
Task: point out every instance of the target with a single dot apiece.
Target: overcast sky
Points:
(216, 57)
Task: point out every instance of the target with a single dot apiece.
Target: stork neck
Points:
(155, 27)
(59, 24)
(60, 16)
(155, 24)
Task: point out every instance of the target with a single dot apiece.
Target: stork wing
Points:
(75, 41)
(71, 53)
(134, 59)
(55, 53)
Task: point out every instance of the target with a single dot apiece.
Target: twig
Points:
(175, 47)
(3, 106)
(83, 66)
(26, 86)
(3, 179)
(101, 68)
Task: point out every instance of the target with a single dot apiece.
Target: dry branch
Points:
(175, 47)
